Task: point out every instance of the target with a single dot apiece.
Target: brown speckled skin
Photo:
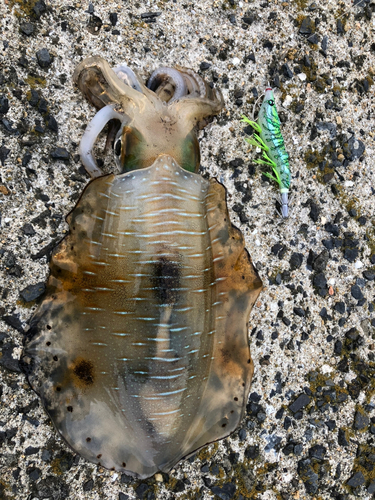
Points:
(139, 349)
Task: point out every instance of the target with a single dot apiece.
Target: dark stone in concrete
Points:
(60, 154)
(33, 292)
(27, 28)
(342, 439)
(361, 420)
(302, 401)
(309, 477)
(295, 261)
(44, 58)
(357, 480)
(318, 451)
(226, 492)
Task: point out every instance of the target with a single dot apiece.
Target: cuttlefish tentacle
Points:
(92, 131)
(128, 76)
(101, 85)
(179, 82)
(167, 81)
(200, 87)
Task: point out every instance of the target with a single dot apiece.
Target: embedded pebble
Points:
(33, 292)
(356, 480)
(44, 58)
(361, 421)
(60, 153)
(27, 28)
(287, 101)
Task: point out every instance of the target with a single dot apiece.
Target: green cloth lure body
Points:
(271, 142)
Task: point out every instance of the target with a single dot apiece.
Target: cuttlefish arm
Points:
(128, 76)
(198, 111)
(103, 85)
(92, 131)
(188, 95)
(168, 83)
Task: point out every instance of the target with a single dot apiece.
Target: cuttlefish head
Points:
(145, 121)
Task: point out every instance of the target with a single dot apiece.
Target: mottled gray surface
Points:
(304, 339)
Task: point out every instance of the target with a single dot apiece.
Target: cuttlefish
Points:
(139, 349)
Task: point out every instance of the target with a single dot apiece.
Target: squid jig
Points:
(269, 139)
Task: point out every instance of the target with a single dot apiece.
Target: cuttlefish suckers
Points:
(140, 349)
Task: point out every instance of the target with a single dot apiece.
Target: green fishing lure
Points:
(269, 139)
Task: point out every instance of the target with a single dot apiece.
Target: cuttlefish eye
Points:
(271, 102)
(118, 147)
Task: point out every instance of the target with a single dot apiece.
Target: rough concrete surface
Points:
(309, 427)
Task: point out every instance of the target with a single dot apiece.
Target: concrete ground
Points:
(309, 426)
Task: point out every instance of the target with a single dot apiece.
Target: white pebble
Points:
(361, 398)
(257, 242)
(324, 220)
(332, 281)
(326, 369)
(358, 264)
(287, 477)
(236, 61)
(350, 376)
(270, 410)
(348, 184)
(287, 101)
(302, 76)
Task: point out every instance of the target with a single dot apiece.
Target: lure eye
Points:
(271, 102)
